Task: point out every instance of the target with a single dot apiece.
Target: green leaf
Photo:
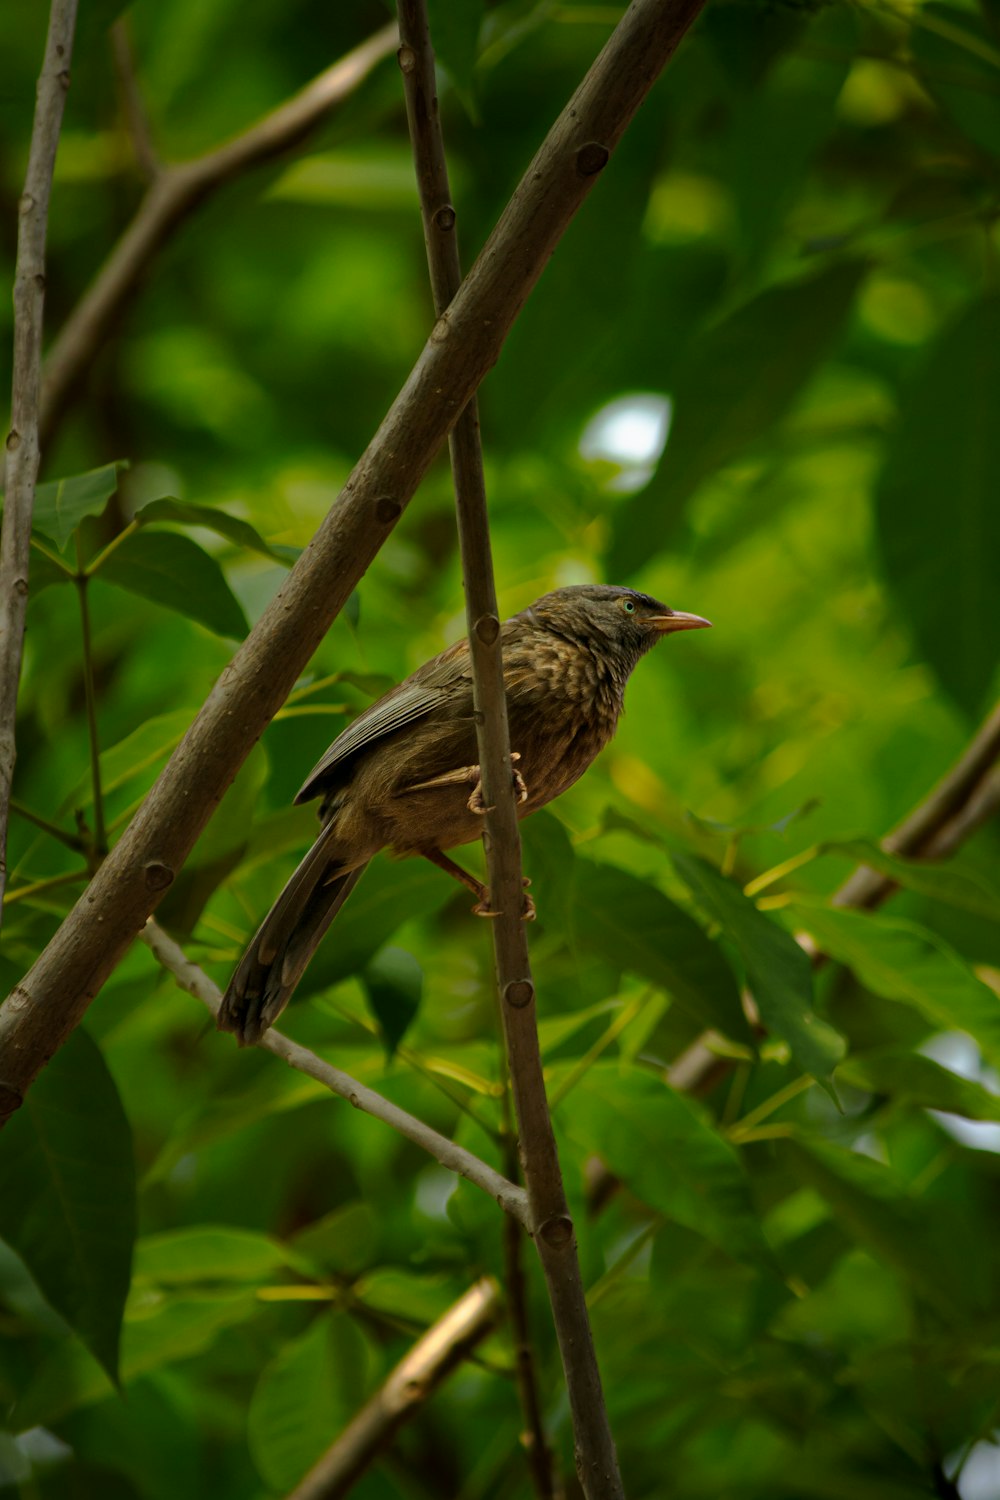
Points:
(918, 1080)
(632, 924)
(175, 571)
(903, 961)
(738, 380)
(961, 77)
(946, 453)
(67, 1193)
(394, 986)
(665, 1148)
(454, 29)
(304, 1397)
(62, 504)
(875, 1207)
(965, 889)
(778, 971)
(389, 894)
(183, 513)
(159, 1330)
(142, 751)
(207, 1253)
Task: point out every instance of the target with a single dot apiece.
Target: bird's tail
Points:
(287, 938)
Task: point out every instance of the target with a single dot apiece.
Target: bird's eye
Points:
(628, 605)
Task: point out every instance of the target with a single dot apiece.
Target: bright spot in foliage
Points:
(630, 433)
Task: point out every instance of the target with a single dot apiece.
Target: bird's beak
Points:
(677, 619)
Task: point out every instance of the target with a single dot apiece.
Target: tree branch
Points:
(959, 804)
(552, 1226)
(511, 1198)
(922, 831)
(133, 107)
(174, 192)
(53, 997)
(412, 1383)
(23, 440)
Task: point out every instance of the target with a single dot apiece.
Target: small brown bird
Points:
(404, 776)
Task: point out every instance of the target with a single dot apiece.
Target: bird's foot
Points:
(484, 909)
(477, 802)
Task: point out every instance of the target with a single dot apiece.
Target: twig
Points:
(53, 997)
(175, 191)
(133, 106)
(511, 1198)
(23, 440)
(412, 1383)
(552, 1226)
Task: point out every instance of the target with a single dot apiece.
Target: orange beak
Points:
(677, 619)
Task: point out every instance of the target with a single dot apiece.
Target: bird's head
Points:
(617, 620)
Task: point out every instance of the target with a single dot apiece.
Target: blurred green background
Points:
(760, 379)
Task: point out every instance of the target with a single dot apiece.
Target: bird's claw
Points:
(528, 909)
(477, 803)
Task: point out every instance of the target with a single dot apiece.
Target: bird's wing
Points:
(434, 684)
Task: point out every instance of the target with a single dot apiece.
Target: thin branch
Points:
(133, 104)
(71, 840)
(511, 1198)
(23, 440)
(410, 1385)
(175, 191)
(552, 1226)
(53, 997)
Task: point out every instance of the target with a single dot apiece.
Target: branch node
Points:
(441, 330)
(407, 59)
(444, 217)
(158, 875)
(557, 1231)
(519, 993)
(487, 629)
(592, 158)
(387, 510)
(13, 441)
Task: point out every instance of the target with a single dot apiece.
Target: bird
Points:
(404, 774)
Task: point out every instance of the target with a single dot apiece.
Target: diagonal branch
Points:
(53, 997)
(174, 192)
(413, 1381)
(511, 1198)
(23, 441)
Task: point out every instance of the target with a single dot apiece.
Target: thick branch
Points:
(23, 440)
(511, 1198)
(175, 191)
(596, 1459)
(412, 1383)
(54, 995)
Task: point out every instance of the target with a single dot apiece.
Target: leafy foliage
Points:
(790, 263)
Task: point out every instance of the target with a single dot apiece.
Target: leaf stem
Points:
(624, 1018)
(98, 562)
(24, 892)
(775, 1102)
(778, 872)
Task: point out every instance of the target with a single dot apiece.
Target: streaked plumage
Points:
(403, 774)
